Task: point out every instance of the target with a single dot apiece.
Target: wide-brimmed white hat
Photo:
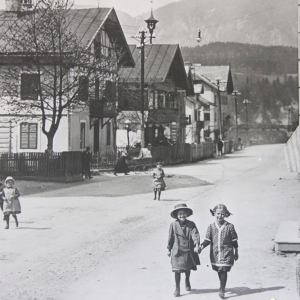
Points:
(9, 178)
(180, 207)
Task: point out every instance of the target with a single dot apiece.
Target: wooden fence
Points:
(64, 166)
(67, 166)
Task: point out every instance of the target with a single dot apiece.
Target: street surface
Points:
(79, 243)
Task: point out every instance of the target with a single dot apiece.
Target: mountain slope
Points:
(265, 22)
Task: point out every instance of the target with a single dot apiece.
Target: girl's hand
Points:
(236, 255)
(169, 252)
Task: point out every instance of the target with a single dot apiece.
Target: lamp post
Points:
(235, 93)
(141, 38)
(289, 117)
(246, 102)
(218, 80)
(127, 127)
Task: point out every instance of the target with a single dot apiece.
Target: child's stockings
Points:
(155, 195)
(223, 279)
(16, 220)
(177, 281)
(158, 195)
(187, 280)
(6, 219)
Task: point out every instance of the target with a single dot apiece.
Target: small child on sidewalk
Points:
(158, 181)
(222, 238)
(183, 245)
(11, 201)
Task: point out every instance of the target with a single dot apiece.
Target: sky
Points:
(131, 7)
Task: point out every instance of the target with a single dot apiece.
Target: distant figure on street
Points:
(222, 238)
(11, 204)
(121, 165)
(158, 180)
(2, 186)
(86, 162)
(220, 145)
(183, 246)
(240, 142)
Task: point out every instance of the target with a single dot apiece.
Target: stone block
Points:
(287, 238)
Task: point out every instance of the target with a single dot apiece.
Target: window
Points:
(206, 116)
(82, 135)
(28, 136)
(108, 134)
(83, 89)
(29, 86)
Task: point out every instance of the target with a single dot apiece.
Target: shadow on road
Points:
(33, 228)
(237, 291)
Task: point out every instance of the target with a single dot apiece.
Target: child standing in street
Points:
(11, 201)
(2, 186)
(183, 246)
(158, 181)
(222, 238)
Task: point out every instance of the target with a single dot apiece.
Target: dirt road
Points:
(87, 247)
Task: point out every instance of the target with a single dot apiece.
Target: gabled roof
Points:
(160, 60)
(210, 74)
(86, 23)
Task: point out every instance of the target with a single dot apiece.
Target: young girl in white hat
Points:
(11, 201)
(222, 238)
(183, 245)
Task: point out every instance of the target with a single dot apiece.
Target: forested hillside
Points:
(267, 76)
(273, 60)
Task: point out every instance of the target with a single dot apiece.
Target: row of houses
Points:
(181, 99)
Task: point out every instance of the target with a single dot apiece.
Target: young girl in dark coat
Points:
(183, 246)
(11, 201)
(222, 238)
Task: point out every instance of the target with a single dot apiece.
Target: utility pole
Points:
(235, 93)
(246, 102)
(220, 108)
(142, 35)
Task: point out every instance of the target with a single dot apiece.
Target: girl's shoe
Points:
(187, 286)
(17, 223)
(221, 293)
(177, 292)
(6, 226)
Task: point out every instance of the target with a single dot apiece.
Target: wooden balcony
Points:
(162, 115)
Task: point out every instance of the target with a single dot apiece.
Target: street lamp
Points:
(246, 102)
(151, 24)
(199, 38)
(235, 93)
(127, 127)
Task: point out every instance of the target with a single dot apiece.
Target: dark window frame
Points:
(32, 135)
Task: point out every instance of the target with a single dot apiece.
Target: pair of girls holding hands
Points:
(184, 245)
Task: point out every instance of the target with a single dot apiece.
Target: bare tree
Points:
(58, 72)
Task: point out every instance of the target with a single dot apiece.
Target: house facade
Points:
(93, 125)
(213, 85)
(165, 89)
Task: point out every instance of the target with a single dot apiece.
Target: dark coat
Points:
(86, 158)
(220, 145)
(182, 245)
(121, 165)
